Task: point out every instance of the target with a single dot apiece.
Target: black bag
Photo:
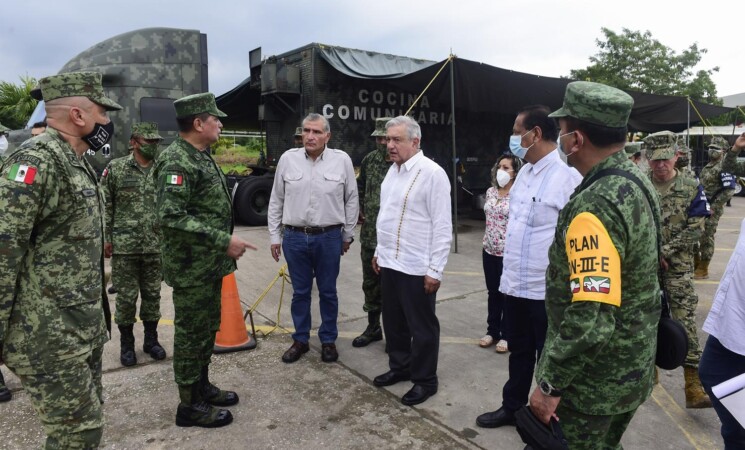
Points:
(537, 435)
(672, 338)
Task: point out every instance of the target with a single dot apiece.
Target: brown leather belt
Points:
(312, 230)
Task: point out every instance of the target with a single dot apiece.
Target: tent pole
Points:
(455, 165)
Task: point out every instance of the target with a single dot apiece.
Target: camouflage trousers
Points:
(68, 400)
(370, 282)
(683, 302)
(584, 431)
(706, 243)
(196, 321)
(137, 275)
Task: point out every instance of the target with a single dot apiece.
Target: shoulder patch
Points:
(174, 179)
(594, 263)
(105, 172)
(22, 172)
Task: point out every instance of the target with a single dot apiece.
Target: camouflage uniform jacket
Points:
(195, 215)
(711, 179)
(373, 169)
(731, 165)
(51, 237)
(602, 295)
(129, 192)
(684, 211)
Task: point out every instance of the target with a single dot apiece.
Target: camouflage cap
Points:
(632, 148)
(298, 131)
(718, 143)
(596, 103)
(147, 130)
(3, 128)
(661, 145)
(191, 105)
(380, 126)
(77, 84)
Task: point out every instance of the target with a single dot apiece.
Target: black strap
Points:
(648, 197)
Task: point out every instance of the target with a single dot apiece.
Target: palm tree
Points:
(16, 103)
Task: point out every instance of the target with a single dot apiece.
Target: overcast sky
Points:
(542, 37)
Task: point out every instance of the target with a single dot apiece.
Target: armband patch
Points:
(594, 263)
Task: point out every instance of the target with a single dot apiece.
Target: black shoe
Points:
(127, 357)
(390, 378)
(151, 346)
(127, 346)
(5, 394)
(295, 352)
(202, 415)
(367, 337)
(496, 419)
(418, 394)
(329, 353)
(112, 290)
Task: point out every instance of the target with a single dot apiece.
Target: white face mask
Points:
(3, 144)
(503, 177)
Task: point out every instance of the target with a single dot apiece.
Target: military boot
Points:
(127, 343)
(696, 397)
(5, 394)
(214, 395)
(702, 270)
(192, 411)
(151, 346)
(372, 333)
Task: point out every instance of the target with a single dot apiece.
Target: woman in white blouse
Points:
(497, 209)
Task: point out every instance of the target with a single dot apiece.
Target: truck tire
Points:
(251, 201)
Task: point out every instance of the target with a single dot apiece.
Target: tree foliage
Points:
(635, 61)
(16, 103)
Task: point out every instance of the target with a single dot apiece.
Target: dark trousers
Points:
(493, 273)
(719, 364)
(525, 329)
(411, 327)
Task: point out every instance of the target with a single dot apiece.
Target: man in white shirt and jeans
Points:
(541, 189)
(414, 233)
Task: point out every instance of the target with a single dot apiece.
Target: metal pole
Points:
(455, 166)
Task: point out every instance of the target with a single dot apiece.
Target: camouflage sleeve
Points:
(589, 320)
(107, 178)
(731, 165)
(361, 183)
(689, 232)
(174, 185)
(26, 191)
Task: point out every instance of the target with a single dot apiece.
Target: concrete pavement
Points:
(314, 405)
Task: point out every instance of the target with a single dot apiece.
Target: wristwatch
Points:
(549, 390)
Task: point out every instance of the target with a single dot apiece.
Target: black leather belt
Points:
(312, 230)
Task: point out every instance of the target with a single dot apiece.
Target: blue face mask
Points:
(516, 145)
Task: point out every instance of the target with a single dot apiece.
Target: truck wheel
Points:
(739, 189)
(251, 201)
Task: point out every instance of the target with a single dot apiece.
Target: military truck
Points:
(144, 71)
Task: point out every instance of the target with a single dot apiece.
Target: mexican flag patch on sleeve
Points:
(177, 180)
(22, 173)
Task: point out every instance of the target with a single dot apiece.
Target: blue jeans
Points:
(719, 364)
(309, 256)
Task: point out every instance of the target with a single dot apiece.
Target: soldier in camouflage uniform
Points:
(5, 394)
(373, 169)
(683, 164)
(195, 215)
(684, 211)
(3, 140)
(133, 238)
(52, 310)
(719, 187)
(297, 139)
(602, 291)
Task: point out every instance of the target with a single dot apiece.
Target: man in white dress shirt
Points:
(414, 233)
(541, 189)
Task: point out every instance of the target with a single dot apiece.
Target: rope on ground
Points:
(284, 274)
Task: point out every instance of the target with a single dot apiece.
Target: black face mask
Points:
(100, 136)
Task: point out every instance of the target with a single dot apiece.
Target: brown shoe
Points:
(295, 352)
(329, 353)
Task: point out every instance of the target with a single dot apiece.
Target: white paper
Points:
(732, 395)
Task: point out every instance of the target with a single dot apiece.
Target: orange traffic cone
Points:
(232, 335)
